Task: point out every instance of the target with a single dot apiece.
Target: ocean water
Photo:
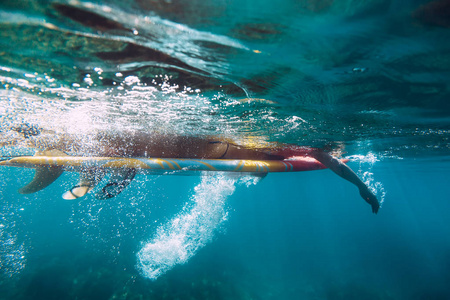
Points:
(366, 79)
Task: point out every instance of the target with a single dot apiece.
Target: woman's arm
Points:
(345, 172)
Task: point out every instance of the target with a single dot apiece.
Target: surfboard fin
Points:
(43, 176)
(88, 180)
(117, 183)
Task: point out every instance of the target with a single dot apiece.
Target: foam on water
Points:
(181, 237)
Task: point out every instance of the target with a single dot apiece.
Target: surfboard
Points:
(51, 164)
(165, 165)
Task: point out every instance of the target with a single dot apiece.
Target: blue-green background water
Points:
(369, 79)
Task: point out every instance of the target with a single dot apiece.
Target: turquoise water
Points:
(368, 80)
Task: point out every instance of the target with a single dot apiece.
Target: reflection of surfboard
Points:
(51, 164)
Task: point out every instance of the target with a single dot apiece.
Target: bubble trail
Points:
(368, 177)
(180, 238)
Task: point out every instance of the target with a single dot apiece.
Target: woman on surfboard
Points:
(137, 144)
